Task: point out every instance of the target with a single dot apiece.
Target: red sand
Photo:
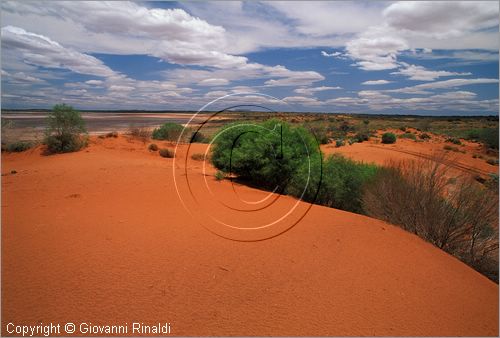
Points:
(407, 149)
(100, 236)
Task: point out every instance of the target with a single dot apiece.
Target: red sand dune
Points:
(407, 149)
(100, 236)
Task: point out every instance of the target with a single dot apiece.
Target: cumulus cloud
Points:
(376, 82)
(40, 50)
(420, 73)
(213, 82)
(312, 90)
(453, 83)
(442, 19)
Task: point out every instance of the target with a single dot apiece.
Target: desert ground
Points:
(100, 236)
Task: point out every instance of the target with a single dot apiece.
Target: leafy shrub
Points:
(360, 137)
(454, 140)
(425, 136)
(65, 127)
(198, 137)
(19, 146)
(408, 135)
(462, 221)
(198, 157)
(168, 131)
(342, 182)
(388, 138)
(219, 175)
(153, 147)
(339, 143)
(266, 154)
(164, 152)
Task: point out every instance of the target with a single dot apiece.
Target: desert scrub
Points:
(168, 131)
(360, 137)
(408, 135)
(198, 157)
(492, 161)
(219, 175)
(164, 152)
(65, 127)
(153, 147)
(450, 148)
(388, 138)
(19, 146)
(339, 143)
(453, 140)
(342, 182)
(141, 133)
(266, 154)
(424, 136)
(112, 134)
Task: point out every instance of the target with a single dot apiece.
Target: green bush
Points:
(454, 140)
(198, 137)
(342, 183)
(339, 143)
(360, 137)
(424, 136)
(388, 138)
(266, 154)
(19, 146)
(408, 135)
(487, 136)
(168, 131)
(164, 152)
(153, 147)
(219, 175)
(65, 127)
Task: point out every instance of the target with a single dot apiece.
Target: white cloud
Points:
(376, 49)
(333, 54)
(420, 73)
(376, 82)
(39, 50)
(311, 91)
(213, 82)
(302, 100)
(453, 83)
(442, 19)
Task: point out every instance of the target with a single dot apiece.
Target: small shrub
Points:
(219, 175)
(198, 137)
(141, 133)
(388, 138)
(198, 157)
(64, 130)
(409, 136)
(402, 128)
(492, 161)
(153, 147)
(339, 143)
(112, 134)
(450, 148)
(360, 137)
(164, 152)
(425, 136)
(454, 140)
(168, 131)
(19, 146)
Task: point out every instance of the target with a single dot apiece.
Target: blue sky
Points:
(431, 58)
